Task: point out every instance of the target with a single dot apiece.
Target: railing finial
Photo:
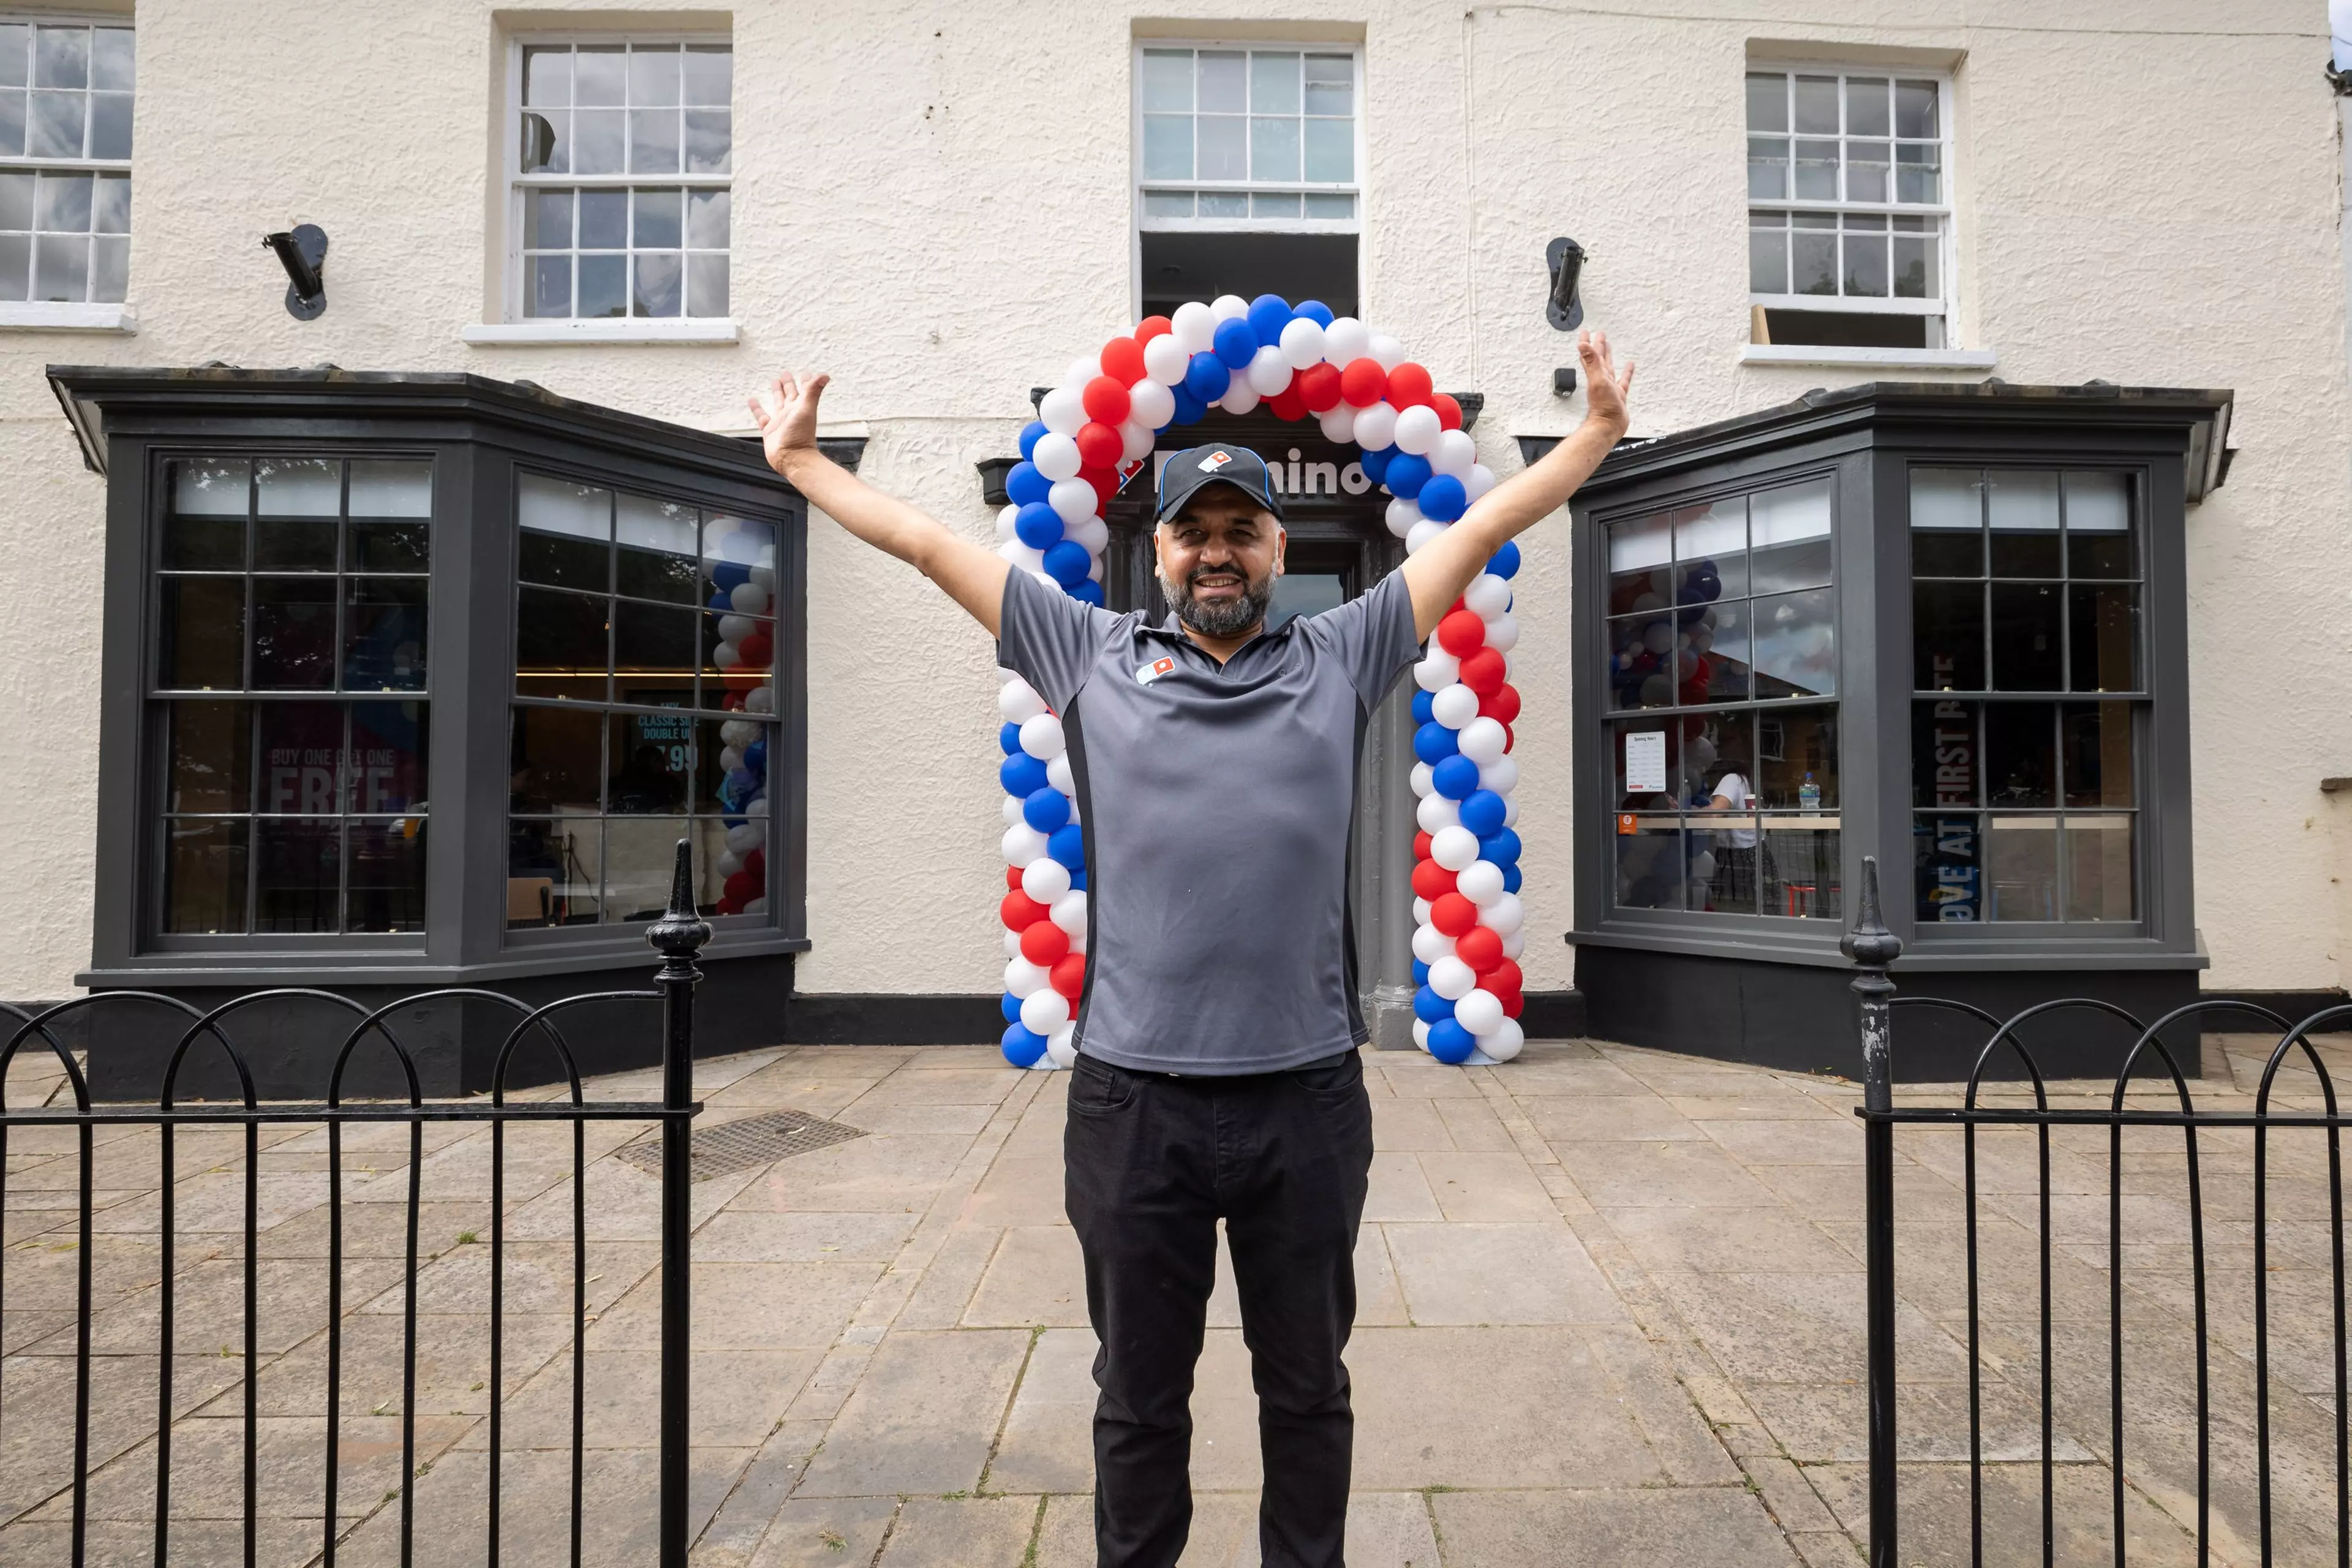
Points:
(1872, 947)
(681, 931)
(1870, 943)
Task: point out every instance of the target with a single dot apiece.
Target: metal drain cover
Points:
(723, 1148)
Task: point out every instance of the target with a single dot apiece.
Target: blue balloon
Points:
(1038, 526)
(1376, 464)
(729, 575)
(1422, 711)
(1454, 778)
(1020, 773)
(1434, 742)
(1429, 1007)
(1078, 878)
(1501, 847)
(1088, 593)
(755, 757)
(1450, 1043)
(1406, 474)
(740, 781)
(1045, 809)
(1011, 1007)
(1069, 845)
(722, 602)
(1420, 972)
(1269, 314)
(1314, 311)
(1068, 562)
(1511, 879)
(1442, 497)
(1505, 561)
(1482, 813)
(1189, 408)
(1235, 343)
(1029, 435)
(1207, 377)
(1022, 1046)
(1025, 486)
(1008, 741)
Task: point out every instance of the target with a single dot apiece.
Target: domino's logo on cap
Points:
(1188, 470)
(1215, 460)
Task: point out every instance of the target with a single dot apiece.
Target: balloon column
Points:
(741, 568)
(1097, 427)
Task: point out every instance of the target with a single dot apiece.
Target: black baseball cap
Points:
(1191, 469)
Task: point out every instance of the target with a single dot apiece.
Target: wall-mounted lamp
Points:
(303, 253)
(991, 479)
(1565, 258)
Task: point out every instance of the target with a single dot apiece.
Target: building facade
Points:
(643, 212)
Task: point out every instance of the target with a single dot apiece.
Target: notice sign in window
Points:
(1645, 761)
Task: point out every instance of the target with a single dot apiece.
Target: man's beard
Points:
(1223, 617)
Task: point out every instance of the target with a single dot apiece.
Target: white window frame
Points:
(1137, 182)
(1945, 304)
(516, 327)
(76, 315)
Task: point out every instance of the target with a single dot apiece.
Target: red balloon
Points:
(1408, 385)
(742, 887)
(1363, 382)
(1484, 672)
(1502, 706)
(1012, 880)
(1514, 1003)
(756, 651)
(1122, 361)
(1105, 483)
(1503, 976)
(1318, 387)
(1069, 974)
(1510, 738)
(729, 907)
(1480, 948)
(1106, 401)
(1453, 914)
(756, 862)
(1018, 910)
(1462, 634)
(732, 701)
(1286, 404)
(1151, 327)
(1420, 842)
(1045, 944)
(1431, 880)
(1100, 446)
(1449, 411)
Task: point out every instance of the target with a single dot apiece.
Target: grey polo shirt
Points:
(1217, 800)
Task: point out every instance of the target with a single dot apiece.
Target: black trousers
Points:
(1152, 1163)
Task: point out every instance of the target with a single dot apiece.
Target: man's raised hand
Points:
(1606, 389)
(786, 415)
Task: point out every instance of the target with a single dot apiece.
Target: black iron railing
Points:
(2213, 1539)
(678, 935)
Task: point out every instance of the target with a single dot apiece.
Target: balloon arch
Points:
(1096, 428)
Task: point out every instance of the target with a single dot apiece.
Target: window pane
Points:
(1640, 650)
(603, 287)
(547, 75)
(391, 486)
(297, 874)
(706, 214)
(1263, 204)
(1330, 84)
(564, 529)
(211, 488)
(1332, 150)
(61, 204)
(1946, 523)
(109, 125)
(660, 279)
(293, 634)
(205, 877)
(1767, 168)
(709, 75)
(544, 143)
(1639, 552)
(556, 761)
(110, 270)
(1817, 105)
(1710, 550)
(639, 856)
(1800, 873)
(653, 650)
(1167, 147)
(210, 754)
(12, 121)
(2023, 855)
(1947, 866)
(303, 764)
(710, 141)
(384, 635)
(1796, 645)
(554, 871)
(1817, 170)
(651, 761)
(1719, 639)
(56, 127)
(1223, 147)
(547, 220)
(203, 634)
(109, 212)
(2020, 753)
(1813, 263)
(603, 220)
(385, 768)
(1167, 80)
(1326, 205)
(2100, 880)
(2023, 506)
(113, 59)
(389, 547)
(1916, 172)
(653, 142)
(385, 876)
(599, 141)
(1223, 89)
(294, 544)
(706, 285)
(738, 652)
(1274, 83)
(1865, 172)
(2105, 632)
(60, 56)
(15, 51)
(16, 201)
(2096, 753)
(1721, 766)
(1866, 106)
(658, 219)
(551, 287)
(599, 75)
(1944, 757)
(1914, 108)
(1865, 265)
(1767, 101)
(1947, 633)
(60, 269)
(560, 645)
(2099, 541)
(731, 763)
(1916, 274)
(653, 74)
(2025, 638)
(1768, 260)
(1789, 537)
(299, 486)
(1225, 204)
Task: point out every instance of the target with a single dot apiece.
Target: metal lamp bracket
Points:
(1564, 309)
(303, 253)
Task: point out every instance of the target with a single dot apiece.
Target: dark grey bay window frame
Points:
(479, 435)
(1868, 440)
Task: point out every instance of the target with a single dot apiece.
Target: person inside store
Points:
(1217, 1074)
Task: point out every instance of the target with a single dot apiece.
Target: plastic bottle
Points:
(1808, 794)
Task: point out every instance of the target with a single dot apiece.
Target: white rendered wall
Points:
(932, 202)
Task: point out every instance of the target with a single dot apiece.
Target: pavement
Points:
(1610, 1313)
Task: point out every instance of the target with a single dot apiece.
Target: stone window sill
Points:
(1881, 359)
(47, 317)
(535, 334)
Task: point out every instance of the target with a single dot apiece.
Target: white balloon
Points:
(1480, 1012)
(1478, 480)
(1062, 1046)
(1057, 774)
(1056, 456)
(1022, 978)
(1386, 350)
(1402, 515)
(1505, 915)
(740, 731)
(1164, 361)
(1063, 410)
(1012, 804)
(1420, 912)
(1196, 327)
(726, 656)
(1376, 426)
(1430, 944)
(1420, 535)
(1451, 979)
(1022, 555)
(1454, 706)
(1506, 1042)
(1018, 701)
(1011, 945)
(1437, 670)
(1702, 866)
(1134, 440)
(748, 598)
(1069, 911)
(1451, 845)
(1268, 371)
(1482, 738)
(1515, 942)
(1425, 779)
(1082, 370)
(1072, 501)
(746, 836)
(1481, 882)
(1149, 402)
(1502, 776)
(760, 699)
(757, 805)
(1510, 803)
(1302, 342)
(1503, 633)
(1229, 307)
(1346, 339)
(1005, 521)
(765, 576)
(1436, 812)
(1022, 844)
(1454, 454)
(1240, 395)
(1041, 737)
(1093, 532)
(730, 759)
(727, 863)
(1417, 430)
(1487, 595)
(1340, 424)
(1421, 1033)
(1046, 1010)
(1046, 879)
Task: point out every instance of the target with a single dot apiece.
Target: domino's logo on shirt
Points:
(1145, 674)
